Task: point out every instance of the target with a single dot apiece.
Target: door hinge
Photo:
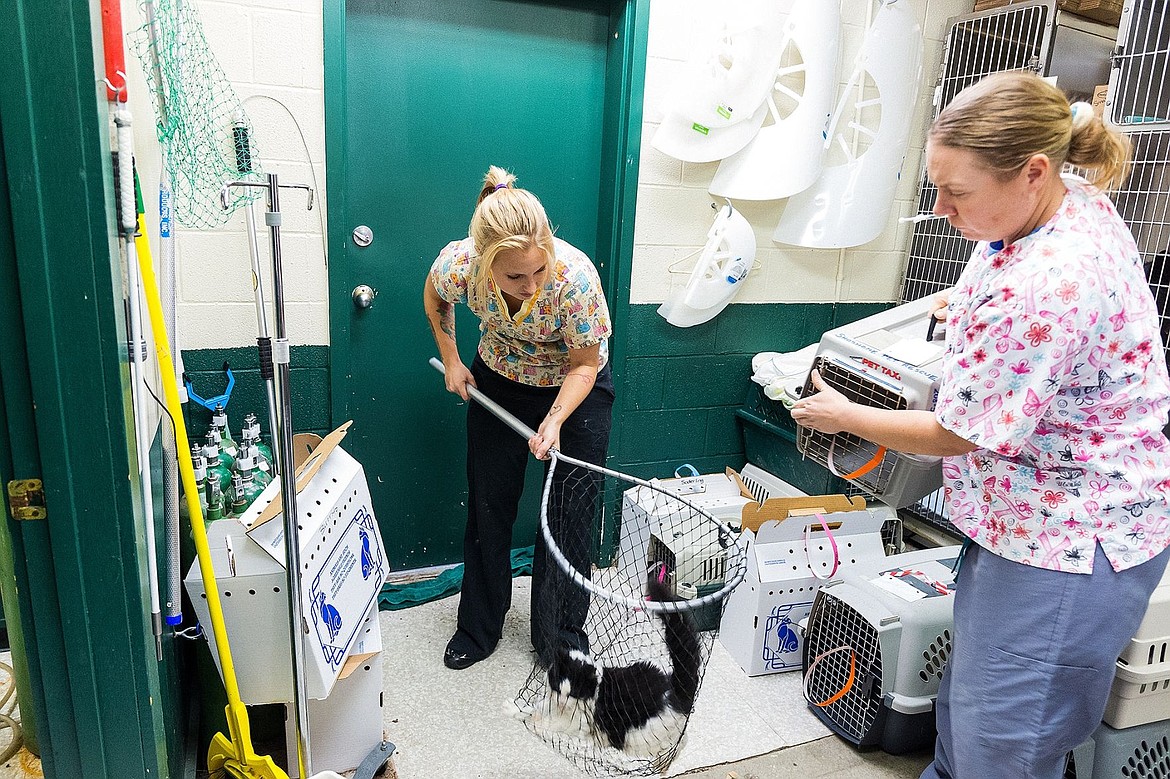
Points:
(26, 499)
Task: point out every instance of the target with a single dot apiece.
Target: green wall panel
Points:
(681, 387)
(723, 436)
(705, 381)
(308, 380)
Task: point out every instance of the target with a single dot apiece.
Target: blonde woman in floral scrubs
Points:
(1050, 415)
(542, 356)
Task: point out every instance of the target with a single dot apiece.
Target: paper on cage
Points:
(913, 351)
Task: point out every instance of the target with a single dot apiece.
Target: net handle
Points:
(735, 548)
(503, 414)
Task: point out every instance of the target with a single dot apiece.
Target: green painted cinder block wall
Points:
(682, 386)
(308, 380)
(677, 396)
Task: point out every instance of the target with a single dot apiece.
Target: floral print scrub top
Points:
(1056, 369)
(532, 347)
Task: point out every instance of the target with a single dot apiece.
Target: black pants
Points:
(496, 460)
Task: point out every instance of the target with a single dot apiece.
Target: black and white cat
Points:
(638, 708)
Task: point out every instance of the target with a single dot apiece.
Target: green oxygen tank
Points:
(252, 425)
(217, 471)
(214, 502)
(249, 442)
(245, 488)
(262, 476)
(226, 459)
(219, 421)
(199, 463)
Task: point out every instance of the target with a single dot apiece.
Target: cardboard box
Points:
(1100, 94)
(343, 569)
(1104, 11)
(759, 625)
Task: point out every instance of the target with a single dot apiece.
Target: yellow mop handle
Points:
(237, 715)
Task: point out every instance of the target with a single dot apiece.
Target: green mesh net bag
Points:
(202, 127)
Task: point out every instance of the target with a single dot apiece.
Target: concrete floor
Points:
(825, 758)
(413, 645)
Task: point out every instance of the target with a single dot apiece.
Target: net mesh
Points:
(613, 533)
(201, 124)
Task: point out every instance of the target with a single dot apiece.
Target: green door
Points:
(421, 97)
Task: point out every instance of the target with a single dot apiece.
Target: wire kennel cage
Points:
(1138, 101)
(876, 643)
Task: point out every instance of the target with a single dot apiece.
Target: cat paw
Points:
(518, 711)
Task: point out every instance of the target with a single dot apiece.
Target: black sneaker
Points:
(457, 661)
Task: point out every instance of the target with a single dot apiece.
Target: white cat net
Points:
(603, 534)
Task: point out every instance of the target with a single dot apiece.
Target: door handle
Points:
(363, 296)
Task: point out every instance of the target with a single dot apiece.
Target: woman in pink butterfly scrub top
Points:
(1050, 414)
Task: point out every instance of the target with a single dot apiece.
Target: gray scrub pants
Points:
(1033, 659)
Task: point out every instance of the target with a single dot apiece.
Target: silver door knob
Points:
(363, 296)
(363, 236)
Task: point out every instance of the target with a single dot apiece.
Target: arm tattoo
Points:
(554, 409)
(447, 319)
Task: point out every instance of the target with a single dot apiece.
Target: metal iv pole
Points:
(284, 453)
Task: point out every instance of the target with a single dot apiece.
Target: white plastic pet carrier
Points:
(1141, 688)
(876, 643)
(886, 360)
(692, 552)
(644, 510)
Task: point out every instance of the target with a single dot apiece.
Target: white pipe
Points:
(173, 611)
(128, 216)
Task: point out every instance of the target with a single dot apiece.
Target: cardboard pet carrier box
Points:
(344, 727)
(786, 544)
(343, 569)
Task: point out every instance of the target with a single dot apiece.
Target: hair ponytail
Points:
(506, 217)
(1008, 117)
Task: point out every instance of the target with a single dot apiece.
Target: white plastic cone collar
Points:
(725, 262)
(785, 157)
(850, 204)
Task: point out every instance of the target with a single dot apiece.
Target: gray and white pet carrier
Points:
(875, 646)
(889, 360)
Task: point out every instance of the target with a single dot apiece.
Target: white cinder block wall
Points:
(272, 53)
(674, 208)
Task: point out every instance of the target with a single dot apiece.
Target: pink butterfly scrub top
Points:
(532, 347)
(1055, 368)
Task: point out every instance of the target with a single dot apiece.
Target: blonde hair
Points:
(1006, 118)
(506, 217)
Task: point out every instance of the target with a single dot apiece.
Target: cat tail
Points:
(682, 644)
